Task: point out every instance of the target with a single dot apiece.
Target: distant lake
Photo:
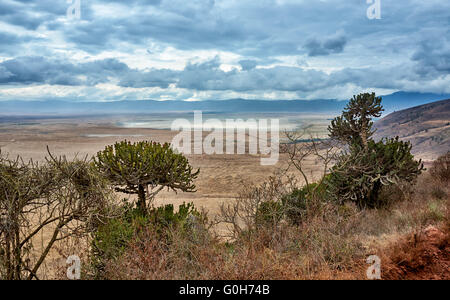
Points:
(287, 121)
(101, 135)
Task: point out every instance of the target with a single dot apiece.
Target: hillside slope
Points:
(426, 126)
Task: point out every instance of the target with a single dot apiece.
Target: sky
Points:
(221, 49)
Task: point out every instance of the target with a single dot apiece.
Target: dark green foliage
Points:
(269, 213)
(354, 126)
(113, 237)
(299, 201)
(292, 207)
(360, 173)
(296, 203)
(145, 168)
(166, 216)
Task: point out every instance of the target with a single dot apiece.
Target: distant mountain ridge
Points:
(393, 102)
(426, 126)
(152, 106)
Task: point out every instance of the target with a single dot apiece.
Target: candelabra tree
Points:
(144, 169)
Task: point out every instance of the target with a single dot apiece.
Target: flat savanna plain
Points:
(220, 181)
(221, 175)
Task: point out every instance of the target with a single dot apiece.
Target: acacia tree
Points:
(366, 166)
(59, 197)
(145, 168)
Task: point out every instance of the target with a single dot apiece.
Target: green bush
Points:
(113, 236)
(184, 219)
(269, 213)
(297, 203)
(359, 176)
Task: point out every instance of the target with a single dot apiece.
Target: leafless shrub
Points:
(61, 197)
(242, 214)
(441, 168)
(302, 145)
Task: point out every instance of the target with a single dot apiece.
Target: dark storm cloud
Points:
(205, 76)
(208, 76)
(155, 78)
(433, 57)
(31, 14)
(35, 69)
(334, 44)
(201, 76)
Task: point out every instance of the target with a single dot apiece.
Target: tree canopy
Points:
(145, 168)
(354, 126)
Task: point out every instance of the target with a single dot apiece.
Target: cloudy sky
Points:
(221, 49)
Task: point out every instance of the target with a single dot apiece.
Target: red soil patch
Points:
(421, 256)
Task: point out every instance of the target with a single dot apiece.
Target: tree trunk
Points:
(142, 206)
(9, 269)
(364, 133)
(364, 140)
(374, 193)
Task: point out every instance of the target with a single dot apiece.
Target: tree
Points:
(145, 168)
(354, 126)
(366, 166)
(59, 197)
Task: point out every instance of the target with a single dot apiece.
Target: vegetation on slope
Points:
(324, 229)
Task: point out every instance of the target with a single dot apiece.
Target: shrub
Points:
(269, 213)
(361, 172)
(296, 203)
(438, 193)
(114, 236)
(441, 168)
(111, 240)
(59, 197)
(184, 220)
(256, 207)
(360, 175)
(166, 215)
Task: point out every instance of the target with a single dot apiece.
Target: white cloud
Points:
(269, 49)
